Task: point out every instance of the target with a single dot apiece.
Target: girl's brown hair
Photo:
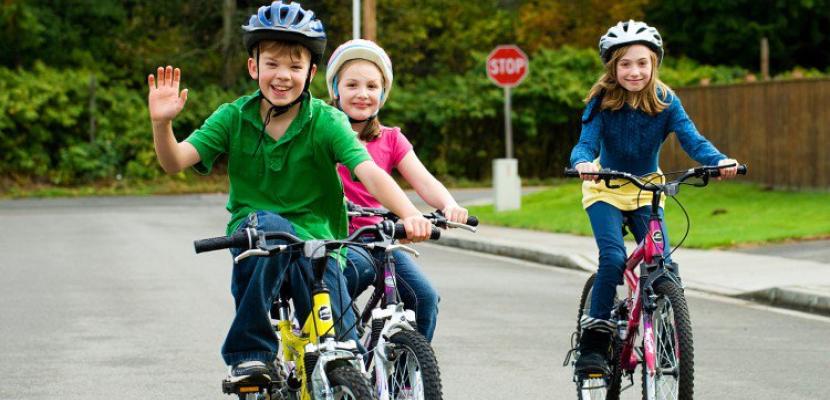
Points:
(371, 130)
(614, 96)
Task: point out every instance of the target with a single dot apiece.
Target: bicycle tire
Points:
(347, 383)
(415, 360)
(671, 308)
(612, 390)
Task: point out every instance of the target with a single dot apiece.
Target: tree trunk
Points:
(228, 48)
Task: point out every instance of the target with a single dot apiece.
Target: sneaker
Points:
(253, 372)
(594, 352)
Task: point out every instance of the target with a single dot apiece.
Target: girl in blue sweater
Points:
(628, 116)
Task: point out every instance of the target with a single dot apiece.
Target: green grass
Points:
(723, 214)
(183, 183)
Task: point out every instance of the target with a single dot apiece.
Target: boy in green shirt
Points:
(283, 147)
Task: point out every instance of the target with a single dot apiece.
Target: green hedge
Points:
(45, 128)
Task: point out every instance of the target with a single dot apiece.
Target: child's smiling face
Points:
(634, 68)
(281, 74)
(359, 86)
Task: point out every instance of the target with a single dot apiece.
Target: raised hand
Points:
(164, 100)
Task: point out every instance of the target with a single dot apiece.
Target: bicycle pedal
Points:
(243, 387)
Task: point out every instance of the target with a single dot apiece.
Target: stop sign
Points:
(507, 65)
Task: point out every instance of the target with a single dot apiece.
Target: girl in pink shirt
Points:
(359, 78)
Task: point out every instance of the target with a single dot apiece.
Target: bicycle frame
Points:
(315, 344)
(644, 252)
(393, 317)
(649, 255)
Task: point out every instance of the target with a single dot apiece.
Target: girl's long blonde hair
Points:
(614, 96)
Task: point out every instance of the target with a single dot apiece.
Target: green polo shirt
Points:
(295, 176)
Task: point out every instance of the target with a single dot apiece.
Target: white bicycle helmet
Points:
(286, 22)
(364, 50)
(630, 32)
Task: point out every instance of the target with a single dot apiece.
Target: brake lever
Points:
(405, 248)
(465, 227)
(258, 252)
(248, 253)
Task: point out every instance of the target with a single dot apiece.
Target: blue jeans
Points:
(256, 282)
(413, 286)
(606, 222)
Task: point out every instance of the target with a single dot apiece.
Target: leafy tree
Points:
(554, 23)
(729, 32)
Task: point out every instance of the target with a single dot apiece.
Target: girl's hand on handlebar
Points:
(417, 228)
(456, 213)
(728, 173)
(584, 167)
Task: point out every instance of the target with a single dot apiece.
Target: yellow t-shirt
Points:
(625, 198)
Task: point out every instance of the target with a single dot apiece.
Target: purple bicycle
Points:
(653, 325)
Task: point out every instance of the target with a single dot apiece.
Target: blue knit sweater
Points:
(629, 140)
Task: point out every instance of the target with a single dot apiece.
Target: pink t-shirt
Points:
(387, 150)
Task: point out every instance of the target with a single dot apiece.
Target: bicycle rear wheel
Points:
(607, 388)
(674, 347)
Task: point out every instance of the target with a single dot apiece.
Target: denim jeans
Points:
(255, 283)
(606, 222)
(413, 286)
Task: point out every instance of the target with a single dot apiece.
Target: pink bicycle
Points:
(653, 325)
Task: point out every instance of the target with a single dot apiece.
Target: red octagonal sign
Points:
(507, 65)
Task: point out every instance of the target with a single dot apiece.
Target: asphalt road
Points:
(104, 298)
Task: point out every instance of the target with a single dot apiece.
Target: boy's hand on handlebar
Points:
(728, 173)
(456, 213)
(417, 228)
(584, 167)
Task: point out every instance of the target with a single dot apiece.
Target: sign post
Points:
(507, 66)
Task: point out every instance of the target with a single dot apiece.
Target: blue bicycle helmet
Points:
(289, 23)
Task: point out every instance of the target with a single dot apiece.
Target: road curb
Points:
(503, 249)
(802, 299)
(796, 298)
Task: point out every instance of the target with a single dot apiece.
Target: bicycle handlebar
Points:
(249, 238)
(703, 171)
(437, 217)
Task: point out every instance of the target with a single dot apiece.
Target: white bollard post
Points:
(507, 185)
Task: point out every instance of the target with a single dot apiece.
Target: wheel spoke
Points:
(667, 365)
(343, 393)
(406, 382)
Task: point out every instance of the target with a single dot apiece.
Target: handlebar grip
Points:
(741, 171)
(239, 239)
(571, 173)
(400, 232)
(435, 234)
(472, 221)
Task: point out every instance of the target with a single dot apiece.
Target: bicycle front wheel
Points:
(607, 388)
(674, 350)
(347, 383)
(415, 373)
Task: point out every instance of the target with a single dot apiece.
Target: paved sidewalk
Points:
(779, 281)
